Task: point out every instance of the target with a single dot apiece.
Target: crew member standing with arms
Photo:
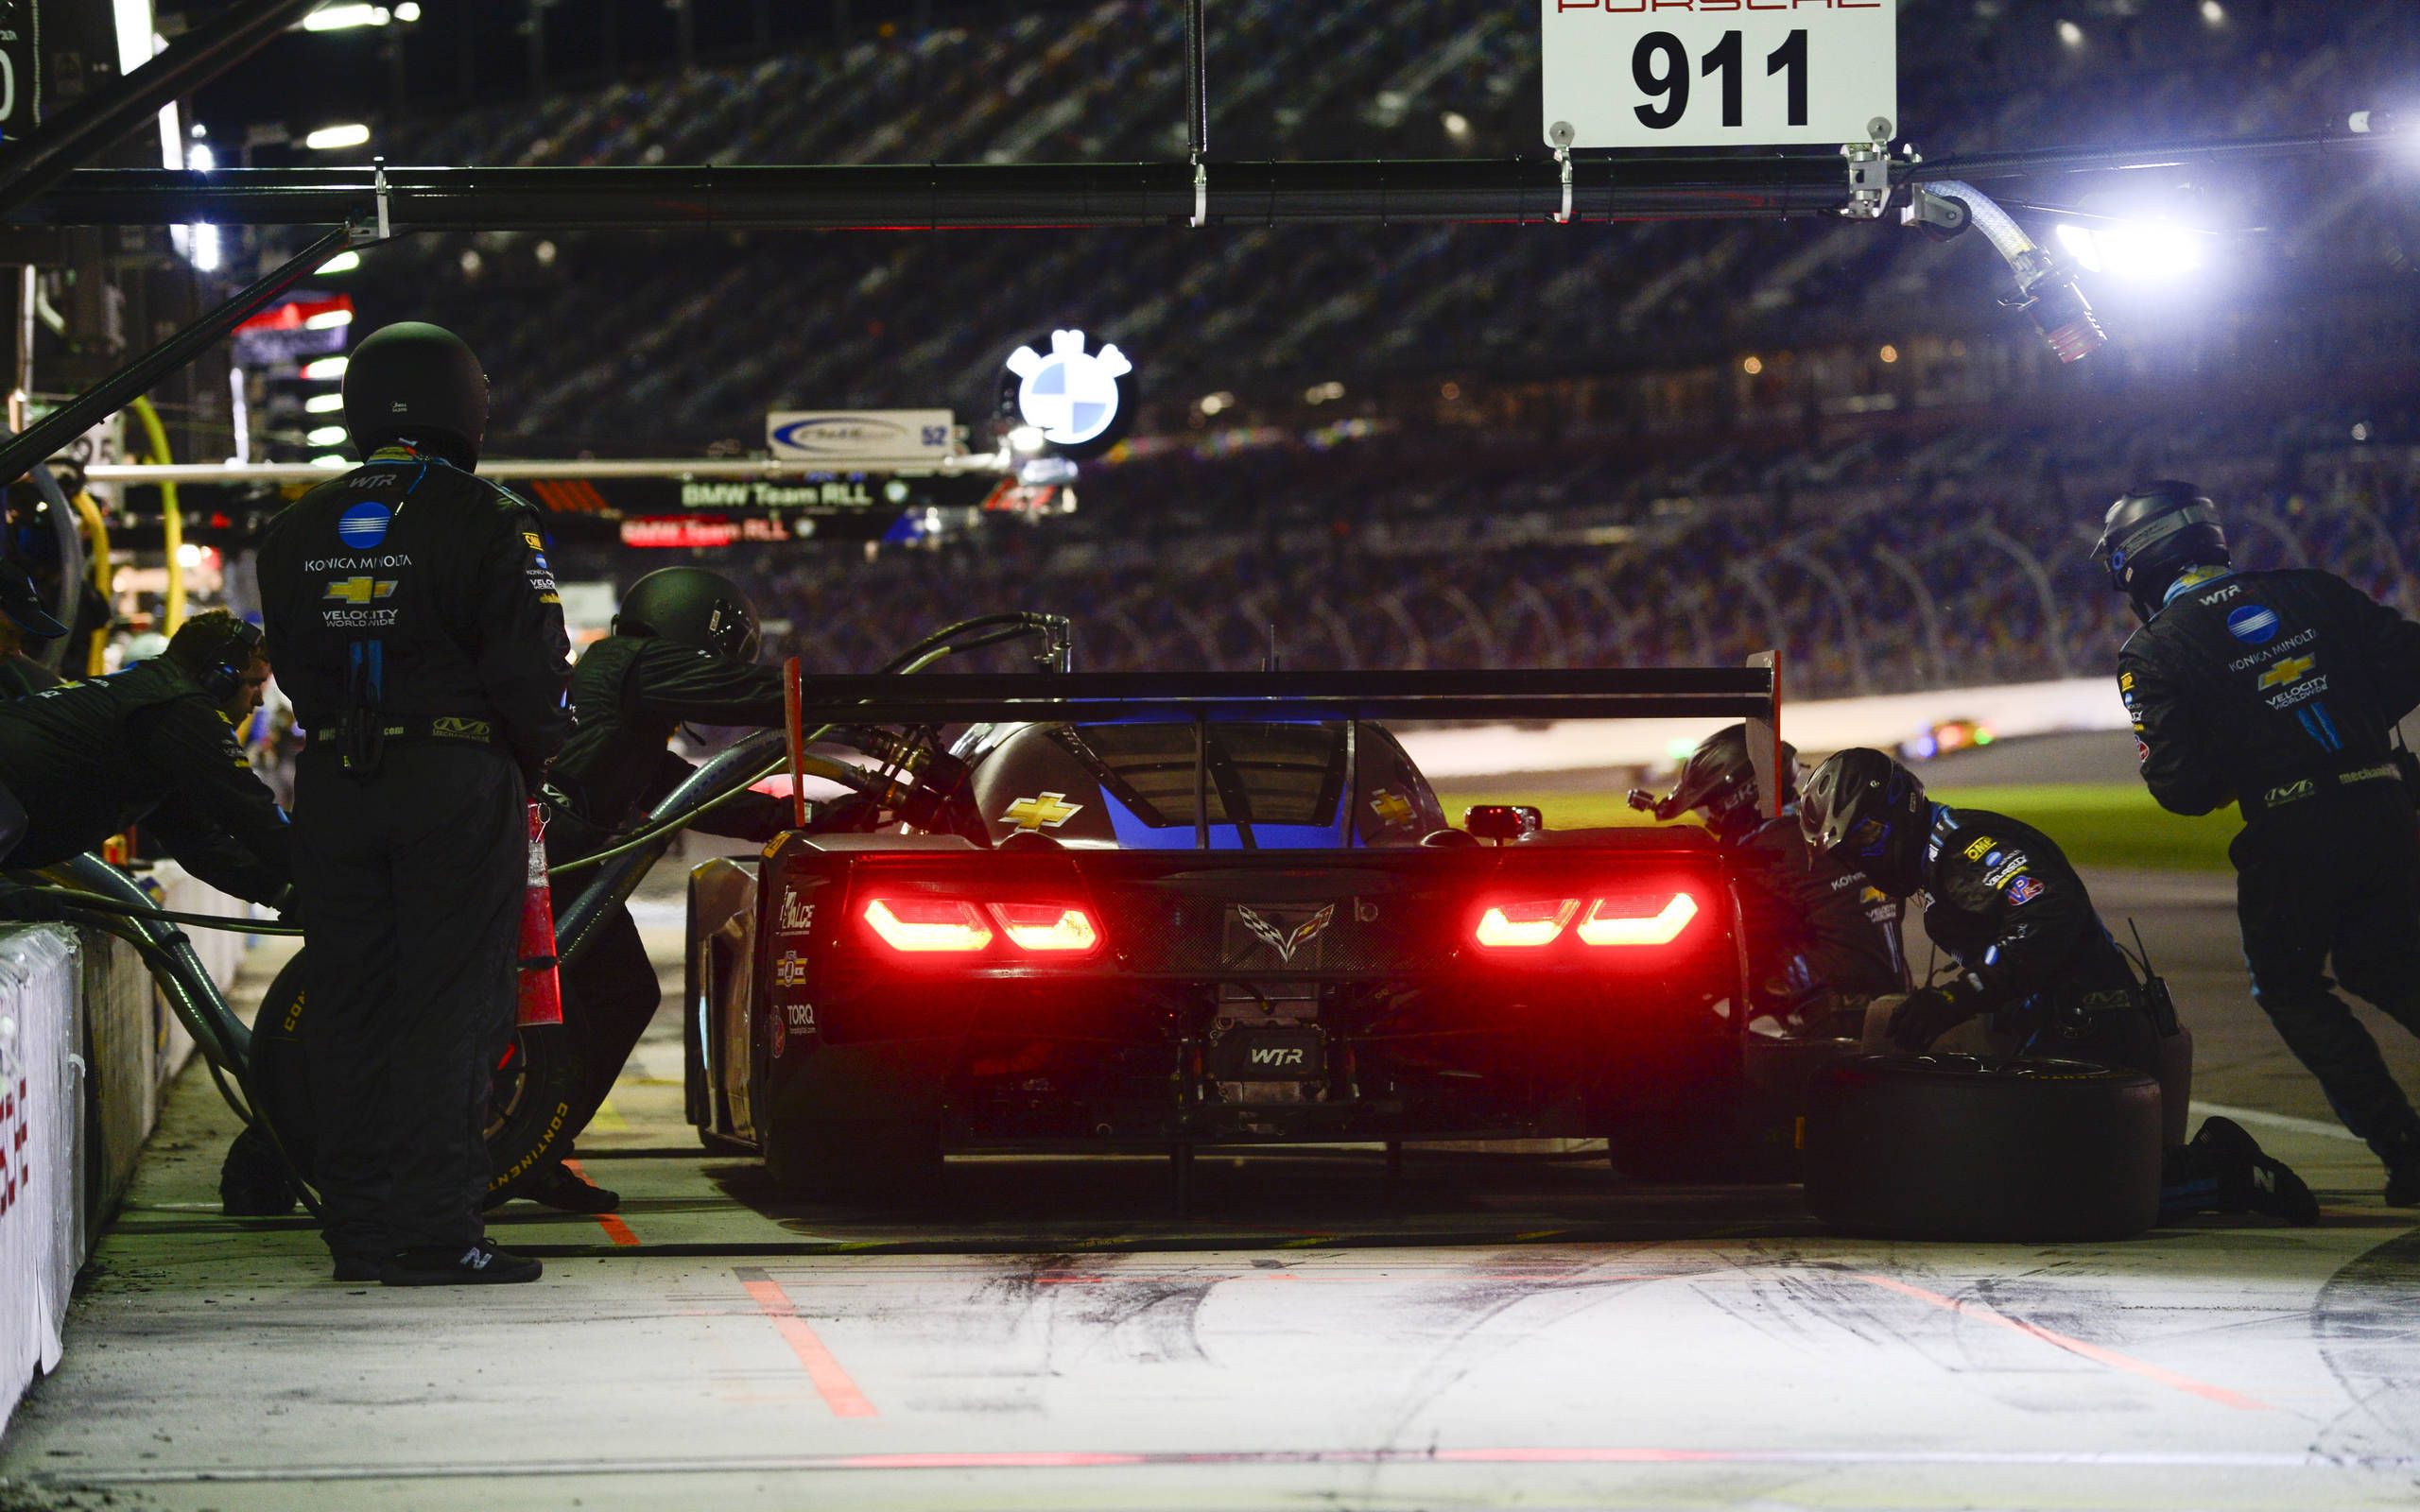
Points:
(422, 639)
(683, 649)
(2279, 692)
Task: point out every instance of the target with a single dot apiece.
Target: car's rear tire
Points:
(526, 1112)
(885, 1163)
(1954, 1147)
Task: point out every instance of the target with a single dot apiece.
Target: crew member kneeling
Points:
(1822, 941)
(155, 746)
(2033, 953)
(422, 639)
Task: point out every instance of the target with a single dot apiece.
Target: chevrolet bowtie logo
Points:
(358, 590)
(2290, 671)
(1047, 812)
(1391, 808)
(1286, 944)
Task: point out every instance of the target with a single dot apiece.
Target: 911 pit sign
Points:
(1720, 72)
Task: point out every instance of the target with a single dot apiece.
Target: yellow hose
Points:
(172, 520)
(96, 536)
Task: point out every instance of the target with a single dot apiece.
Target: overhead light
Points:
(2141, 251)
(1027, 439)
(1456, 124)
(326, 369)
(326, 436)
(323, 404)
(2361, 432)
(1213, 403)
(408, 12)
(1890, 354)
(202, 248)
(341, 262)
(328, 320)
(337, 138)
(2071, 34)
(189, 555)
(332, 459)
(1323, 393)
(2213, 12)
(199, 158)
(1752, 367)
(345, 17)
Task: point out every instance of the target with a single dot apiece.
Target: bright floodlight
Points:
(2213, 12)
(1027, 439)
(341, 18)
(328, 320)
(326, 436)
(341, 262)
(323, 404)
(2070, 34)
(327, 370)
(336, 137)
(2139, 251)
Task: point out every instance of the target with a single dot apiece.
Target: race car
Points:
(1133, 912)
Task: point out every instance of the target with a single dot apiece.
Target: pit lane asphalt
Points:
(1497, 1330)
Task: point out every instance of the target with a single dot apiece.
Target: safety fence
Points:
(86, 1047)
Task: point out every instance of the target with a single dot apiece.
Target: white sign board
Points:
(1720, 72)
(843, 436)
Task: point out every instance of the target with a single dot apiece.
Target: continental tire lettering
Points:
(294, 1013)
(554, 1127)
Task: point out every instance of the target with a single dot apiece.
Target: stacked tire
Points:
(1956, 1147)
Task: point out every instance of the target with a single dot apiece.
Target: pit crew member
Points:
(683, 649)
(422, 639)
(154, 746)
(2031, 952)
(23, 618)
(2279, 691)
(1822, 941)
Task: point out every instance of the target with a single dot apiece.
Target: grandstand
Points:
(1626, 444)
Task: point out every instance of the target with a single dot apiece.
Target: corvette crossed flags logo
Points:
(1279, 940)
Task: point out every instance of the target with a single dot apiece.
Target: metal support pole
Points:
(1197, 108)
(79, 414)
(893, 197)
(100, 119)
(21, 395)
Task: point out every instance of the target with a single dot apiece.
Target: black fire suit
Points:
(146, 745)
(419, 633)
(1822, 940)
(2276, 690)
(2031, 949)
(631, 693)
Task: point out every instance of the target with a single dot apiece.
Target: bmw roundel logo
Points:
(2253, 624)
(1071, 395)
(364, 525)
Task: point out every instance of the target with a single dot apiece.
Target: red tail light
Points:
(1614, 918)
(1047, 926)
(923, 926)
(1526, 926)
(1622, 921)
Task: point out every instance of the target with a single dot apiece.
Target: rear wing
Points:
(1750, 693)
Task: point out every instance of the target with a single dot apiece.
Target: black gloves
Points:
(1923, 1016)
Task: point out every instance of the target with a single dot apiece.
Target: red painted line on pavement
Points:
(831, 1382)
(615, 1227)
(2073, 1346)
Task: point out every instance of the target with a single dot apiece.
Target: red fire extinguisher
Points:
(542, 993)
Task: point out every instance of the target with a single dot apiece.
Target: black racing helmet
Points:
(417, 383)
(1868, 813)
(693, 607)
(1718, 779)
(2152, 535)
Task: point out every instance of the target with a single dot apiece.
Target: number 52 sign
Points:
(1719, 73)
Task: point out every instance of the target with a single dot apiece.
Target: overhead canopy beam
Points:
(100, 119)
(952, 196)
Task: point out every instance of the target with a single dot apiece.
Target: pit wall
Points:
(1817, 728)
(87, 1045)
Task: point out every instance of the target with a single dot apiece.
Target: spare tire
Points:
(1956, 1147)
(527, 1105)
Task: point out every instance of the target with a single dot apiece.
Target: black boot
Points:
(2251, 1180)
(477, 1264)
(566, 1191)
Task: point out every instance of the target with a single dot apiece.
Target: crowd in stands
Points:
(674, 342)
(1962, 560)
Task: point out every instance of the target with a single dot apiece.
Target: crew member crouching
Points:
(2033, 953)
